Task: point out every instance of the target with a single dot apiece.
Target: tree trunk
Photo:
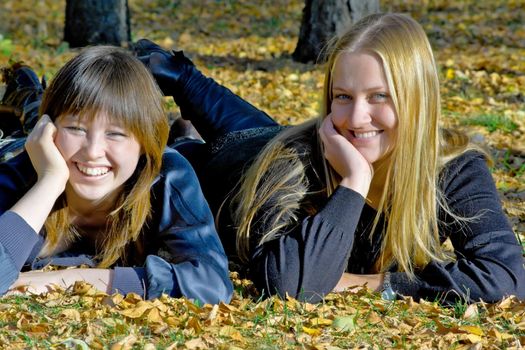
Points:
(91, 22)
(324, 19)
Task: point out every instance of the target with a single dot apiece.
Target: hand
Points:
(353, 282)
(44, 154)
(356, 172)
(38, 282)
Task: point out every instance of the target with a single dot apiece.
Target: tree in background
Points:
(90, 22)
(322, 19)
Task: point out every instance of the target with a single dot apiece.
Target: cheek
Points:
(388, 117)
(339, 114)
(64, 144)
(129, 154)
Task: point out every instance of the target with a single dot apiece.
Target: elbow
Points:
(496, 292)
(288, 283)
(214, 288)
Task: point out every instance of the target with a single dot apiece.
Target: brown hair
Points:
(110, 79)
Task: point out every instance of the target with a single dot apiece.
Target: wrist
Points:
(55, 183)
(361, 186)
(387, 293)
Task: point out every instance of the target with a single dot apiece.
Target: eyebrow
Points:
(373, 88)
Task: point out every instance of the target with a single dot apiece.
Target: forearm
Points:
(39, 281)
(34, 207)
(308, 262)
(351, 281)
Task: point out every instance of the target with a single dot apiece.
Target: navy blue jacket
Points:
(182, 256)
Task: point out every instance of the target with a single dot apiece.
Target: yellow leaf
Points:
(231, 332)
(473, 338)
(196, 343)
(195, 324)
(312, 331)
(472, 330)
(135, 312)
(450, 74)
(154, 316)
(125, 344)
(70, 314)
(320, 322)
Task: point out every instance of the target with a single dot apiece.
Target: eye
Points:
(116, 134)
(342, 97)
(379, 97)
(75, 129)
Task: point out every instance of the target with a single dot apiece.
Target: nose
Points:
(358, 114)
(94, 146)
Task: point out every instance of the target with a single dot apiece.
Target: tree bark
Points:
(324, 19)
(91, 22)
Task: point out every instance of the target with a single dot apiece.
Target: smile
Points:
(366, 135)
(92, 171)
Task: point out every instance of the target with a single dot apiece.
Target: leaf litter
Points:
(247, 46)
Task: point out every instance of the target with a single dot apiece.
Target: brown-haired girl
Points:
(97, 187)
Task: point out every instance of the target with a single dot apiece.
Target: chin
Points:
(90, 194)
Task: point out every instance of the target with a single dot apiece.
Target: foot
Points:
(168, 68)
(22, 95)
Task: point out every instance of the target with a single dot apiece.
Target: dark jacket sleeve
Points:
(489, 261)
(308, 261)
(190, 260)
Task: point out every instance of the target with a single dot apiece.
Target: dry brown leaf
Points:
(195, 344)
(126, 343)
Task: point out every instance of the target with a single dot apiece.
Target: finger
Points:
(49, 130)
(324, 129)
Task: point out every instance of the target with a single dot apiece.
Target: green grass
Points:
(492, 122)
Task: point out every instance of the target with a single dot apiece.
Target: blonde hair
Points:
(411, 197)
(109, 79)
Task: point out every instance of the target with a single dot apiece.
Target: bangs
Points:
(108, 89)
(109, 80)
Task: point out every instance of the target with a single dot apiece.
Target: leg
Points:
(212, 108)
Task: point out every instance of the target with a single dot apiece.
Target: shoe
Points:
(167, 67)
(22, 95)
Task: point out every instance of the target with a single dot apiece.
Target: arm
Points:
(489, 261)
(26, 201)
(39, 282)
(187, 258)
(352, 281)
(308, 260)
(35, 206)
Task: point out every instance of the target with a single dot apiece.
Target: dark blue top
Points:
(182, 252)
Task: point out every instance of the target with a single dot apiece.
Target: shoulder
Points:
(177, 188)
(465, 168)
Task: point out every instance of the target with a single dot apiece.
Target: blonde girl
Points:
(366, 194)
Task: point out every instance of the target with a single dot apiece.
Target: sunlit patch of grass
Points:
(492, 122)
(6, 46)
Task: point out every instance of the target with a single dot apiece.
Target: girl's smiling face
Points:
(100, 154)
(362, 109)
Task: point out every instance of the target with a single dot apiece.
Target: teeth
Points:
(92, 171)
(365, 135)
